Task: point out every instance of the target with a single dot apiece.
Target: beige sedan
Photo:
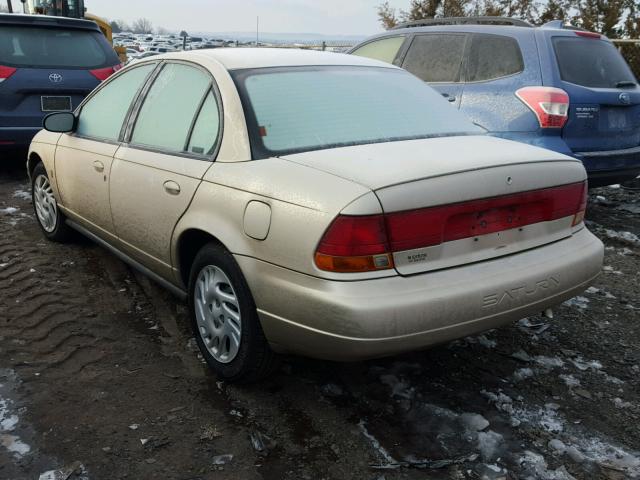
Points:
(312, 203)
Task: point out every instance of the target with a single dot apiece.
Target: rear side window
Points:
(168, 111)
(104, 113)
(493, 56)
(206, 130)
(590, 62)
(384, 50)
(54, 48)
(436, 57)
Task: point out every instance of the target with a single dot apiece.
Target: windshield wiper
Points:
(625, 83)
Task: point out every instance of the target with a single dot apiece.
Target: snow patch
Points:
(570, 380)
(583, 365)
(626, 237)
(522, 374)
(9, 210)
(22, 194)
(578, 302)
(382, 452)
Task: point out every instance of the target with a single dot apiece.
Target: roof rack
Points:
(431, 22)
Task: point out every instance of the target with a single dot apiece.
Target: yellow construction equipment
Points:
(72, 9)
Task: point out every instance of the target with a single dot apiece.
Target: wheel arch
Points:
(188, 244)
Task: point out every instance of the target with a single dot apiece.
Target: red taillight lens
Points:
(582, 209)
(550, 105)
(6, 72)
(365, 243)
(354, 244)
(103, 73)
(588, 34)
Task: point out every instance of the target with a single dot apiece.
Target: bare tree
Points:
(387, 16)
(142, 25)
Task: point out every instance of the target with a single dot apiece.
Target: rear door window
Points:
(384, 50)
(436, 57)
(591, 63)
(493, 56)
(53, 48)
(169, 109)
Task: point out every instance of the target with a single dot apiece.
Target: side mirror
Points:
(60, 122)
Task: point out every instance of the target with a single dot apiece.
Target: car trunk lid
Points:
(480, 192)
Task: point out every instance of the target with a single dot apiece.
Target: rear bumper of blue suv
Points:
(603, 167)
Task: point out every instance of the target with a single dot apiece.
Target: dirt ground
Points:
(99, 379)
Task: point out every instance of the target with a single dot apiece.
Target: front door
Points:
(84, 158)
(155, 176)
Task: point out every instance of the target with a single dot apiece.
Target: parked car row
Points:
(313, 203)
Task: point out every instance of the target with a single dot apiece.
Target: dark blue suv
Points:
(556, 87)
(47, 64)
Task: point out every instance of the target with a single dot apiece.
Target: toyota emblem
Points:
(55, 78)
(625, 98)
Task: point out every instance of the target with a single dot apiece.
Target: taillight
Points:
(355, 244)
(367, 243)
(6, 72)
(550, 105)
(582, 209)
(588, 34)
(103, 73)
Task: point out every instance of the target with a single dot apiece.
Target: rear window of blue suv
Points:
(37, 47)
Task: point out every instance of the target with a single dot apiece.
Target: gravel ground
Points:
(99, 379)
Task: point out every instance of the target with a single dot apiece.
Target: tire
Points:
(224, 318)
(49, 217)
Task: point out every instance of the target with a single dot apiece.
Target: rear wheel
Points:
(224, 318)
(50, 218)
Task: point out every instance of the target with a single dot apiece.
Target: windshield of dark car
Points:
(296, 109)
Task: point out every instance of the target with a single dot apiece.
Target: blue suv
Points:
(47, 64)
(553, 86)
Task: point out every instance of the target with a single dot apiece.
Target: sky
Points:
(328, 17)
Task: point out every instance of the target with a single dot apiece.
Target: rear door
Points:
(491, 81)
(437, 58)
(604, 112)
(155, 175)
(49, 69)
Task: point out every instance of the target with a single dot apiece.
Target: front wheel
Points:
(50, 218)
(224, 318)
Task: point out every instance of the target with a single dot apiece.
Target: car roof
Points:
(245, 58)
(47, 21)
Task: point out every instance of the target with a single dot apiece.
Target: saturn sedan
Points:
(312, 203)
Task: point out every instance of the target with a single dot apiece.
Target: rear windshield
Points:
(591, 63)
(297, 109)
(53, 48)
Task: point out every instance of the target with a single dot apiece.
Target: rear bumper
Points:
(609, 167)
(17, 137)
(366, 319)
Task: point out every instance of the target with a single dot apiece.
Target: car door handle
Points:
(171, 187)
(450, 98)
(98, 166)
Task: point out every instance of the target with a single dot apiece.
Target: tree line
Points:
(613, 18)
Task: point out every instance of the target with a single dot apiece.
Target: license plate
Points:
(55, 104)
(617, 118)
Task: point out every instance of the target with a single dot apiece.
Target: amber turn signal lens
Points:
(354, 264)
